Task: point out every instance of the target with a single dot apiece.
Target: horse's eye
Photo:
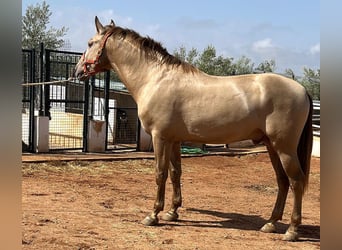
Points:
(90, 43)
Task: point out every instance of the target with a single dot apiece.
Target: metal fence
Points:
(64, 103)
(316, 118)
(28, 95)
(111, 102)
(70, 104)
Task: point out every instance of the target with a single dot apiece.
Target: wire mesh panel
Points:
(28, 99)
(316, 118)
(124, 129)
(122, 119)
(25, 115)
(98, 97)
(66, 112)
(66, 102)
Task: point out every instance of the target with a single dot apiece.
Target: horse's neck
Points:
(132, 67)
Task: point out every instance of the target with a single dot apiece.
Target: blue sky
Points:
(286, 31)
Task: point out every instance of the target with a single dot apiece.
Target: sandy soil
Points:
(100, 204)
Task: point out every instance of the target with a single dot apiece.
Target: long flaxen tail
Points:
(305, 145)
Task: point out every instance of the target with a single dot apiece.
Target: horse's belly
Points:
(223, 133)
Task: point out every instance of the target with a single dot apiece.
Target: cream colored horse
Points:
(177, 102)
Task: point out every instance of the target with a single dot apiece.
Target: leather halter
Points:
(87, 70)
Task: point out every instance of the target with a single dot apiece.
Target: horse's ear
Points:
(112, 23)
(99, 26)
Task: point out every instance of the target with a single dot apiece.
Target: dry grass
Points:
(101, 167)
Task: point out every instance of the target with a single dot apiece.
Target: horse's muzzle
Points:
(79, 72)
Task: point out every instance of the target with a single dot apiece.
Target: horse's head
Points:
(94, 59)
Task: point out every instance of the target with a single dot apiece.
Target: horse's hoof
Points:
(150, 221)
(290, 236)
(170, 216)
(268, 228)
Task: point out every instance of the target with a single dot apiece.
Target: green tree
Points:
(211, 64)
(186, 56)
(267, 66)
(290, 74)
(191, 56)
(205, 61)
(35, 30)
(180, 53)
(311, 81)
(243, 65)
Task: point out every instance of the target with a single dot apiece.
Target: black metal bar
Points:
(47, 87)
(106, 115)
(85, 116)
(91, 93)
(65, 101)
(32, 131)
(41, 55)
(67, 70)
(138, 134)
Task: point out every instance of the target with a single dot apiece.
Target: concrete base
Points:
(97, 136)
(316, 147)
(41, 140)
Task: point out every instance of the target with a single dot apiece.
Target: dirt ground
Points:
(100, 205)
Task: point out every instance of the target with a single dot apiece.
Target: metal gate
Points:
(28, 96)
(111, 102)
(64, 102)
(71, 104)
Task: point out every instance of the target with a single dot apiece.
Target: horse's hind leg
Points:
(175, 174)
(283, 187)
(296, 176)
(162, 151)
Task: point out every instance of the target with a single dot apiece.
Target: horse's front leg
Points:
(162, 151)
(175, 173)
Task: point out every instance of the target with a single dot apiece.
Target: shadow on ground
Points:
(246, 222)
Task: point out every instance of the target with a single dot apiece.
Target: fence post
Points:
(106, 103)
(32, 89)
(41, 141)
(40, 135)
(96, 136)
(85, 115)
(138, 134)
(41, 77)
(47, 86)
